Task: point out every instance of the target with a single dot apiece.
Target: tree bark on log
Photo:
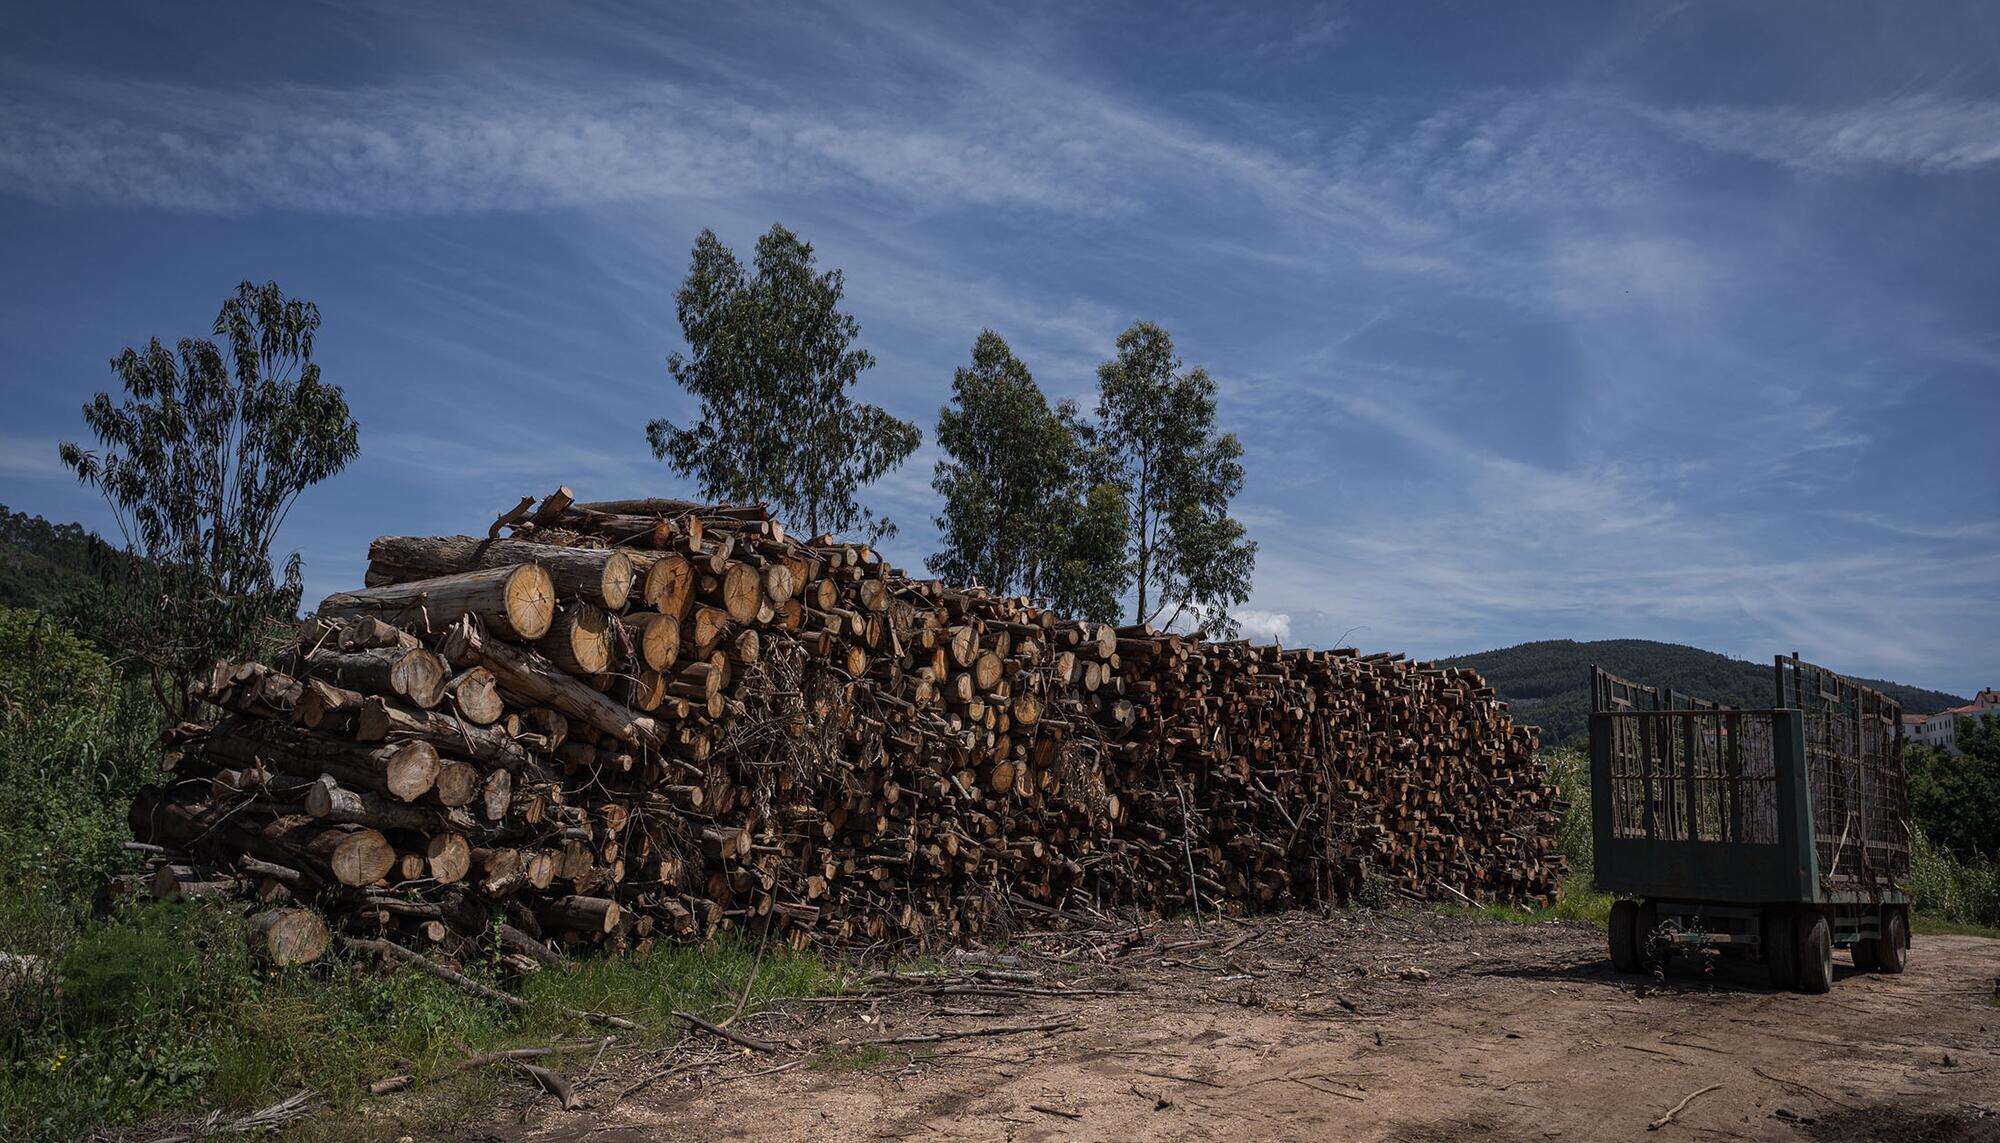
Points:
(515, 602)
(477, 696)
(579, 641)
(382, 719)
(535, 679)
(600, 576)
(291, 936)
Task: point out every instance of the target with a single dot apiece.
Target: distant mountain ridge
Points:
(1547, 683)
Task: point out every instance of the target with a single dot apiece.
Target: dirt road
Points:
(1366, 1026)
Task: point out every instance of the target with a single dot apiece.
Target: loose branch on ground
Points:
(1663, 1120)
(398, 952)
(399, 1083)
(750, 1042)
(1063, 1024)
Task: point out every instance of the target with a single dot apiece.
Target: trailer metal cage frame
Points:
(1743, 829)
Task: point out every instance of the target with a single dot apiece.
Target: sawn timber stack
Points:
(655, 719)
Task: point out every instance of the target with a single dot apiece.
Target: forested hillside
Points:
(1548, 682)
(40, 562)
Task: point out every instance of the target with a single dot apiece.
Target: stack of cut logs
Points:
(654, 719)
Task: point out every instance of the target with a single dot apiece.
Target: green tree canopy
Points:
(1026, 508)
(1156, 424)
(201, 463)
(1955, 798)
(771, 358)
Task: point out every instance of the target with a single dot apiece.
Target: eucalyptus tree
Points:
(1026, 507)
(201, 462)
(1156, 425)
(770, 359)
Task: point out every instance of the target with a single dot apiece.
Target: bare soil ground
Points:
(1363, 1026)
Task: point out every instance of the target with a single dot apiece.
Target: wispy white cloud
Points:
(1923, 133)
(1502, 358)
(1324, 26)
(30, 457)
(1263, 626)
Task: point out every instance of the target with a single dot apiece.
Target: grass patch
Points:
(163, 1010)
(160, 1009)
(1931, 925)
(1579, 902)
(1949, 889)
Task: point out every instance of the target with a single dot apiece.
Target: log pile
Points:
(652, 719)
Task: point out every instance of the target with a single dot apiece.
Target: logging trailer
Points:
(1775, 835)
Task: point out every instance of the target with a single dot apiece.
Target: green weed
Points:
(1949, 890)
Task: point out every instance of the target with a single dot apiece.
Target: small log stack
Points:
(655, 719)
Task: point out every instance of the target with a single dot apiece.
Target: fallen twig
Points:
(1301, 1081)
(744, 997)
(1052, 911)
(1011, 990)
(650, 1078)
(1813, 1091)
(750, 1042)
(1183, 1079)
(1062, 1024)
(764, 1072)
(395, 1084)
(261, 1120)
(1677, 1108)
(398, 952)
(552, 1083)
(1045, 1110)
(1454, 892)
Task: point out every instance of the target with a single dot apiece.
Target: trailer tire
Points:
(1892, 951)
(1781, 954)
(1624, 936)
(1815, 952)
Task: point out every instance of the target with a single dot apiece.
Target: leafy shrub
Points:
(1955, 798)
(1963, 891)
(159, 1008)
(76, 741)
(1569, 772)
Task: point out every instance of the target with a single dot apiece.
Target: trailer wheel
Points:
(1624, 936)
(1781, 954)
(1892, 951)
(1815, 952)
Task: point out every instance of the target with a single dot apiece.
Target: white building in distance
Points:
(1940, 731)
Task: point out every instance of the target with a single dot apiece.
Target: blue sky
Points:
(1563, 320)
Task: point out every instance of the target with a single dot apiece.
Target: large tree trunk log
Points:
(291, 936)
(414, 673)
(583, 914)
(355, 856)
(382, 719)
(327, 801)
(669, 586)
(476, 696)
(517, 601)
(406, 770)
(535, 679)
(579, 642)
(657, 638)
(601, 576)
